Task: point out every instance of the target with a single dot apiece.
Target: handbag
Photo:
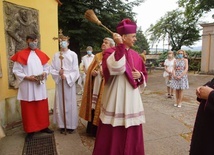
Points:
(165, 74)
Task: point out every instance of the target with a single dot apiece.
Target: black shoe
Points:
(29, 137)
(70, 131)
(47, 130)
(62, 130)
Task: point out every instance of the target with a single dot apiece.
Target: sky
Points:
(151, 11)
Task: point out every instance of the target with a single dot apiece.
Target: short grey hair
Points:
(112, 43)
(89, 48)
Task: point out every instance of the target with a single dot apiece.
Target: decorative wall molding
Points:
(19, 22)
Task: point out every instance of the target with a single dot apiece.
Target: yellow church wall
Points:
(48, 28)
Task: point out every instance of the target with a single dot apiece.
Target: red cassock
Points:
(35, 116)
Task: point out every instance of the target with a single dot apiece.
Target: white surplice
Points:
(121, 104)
(86, 60)
(30, 91)
(71, 72)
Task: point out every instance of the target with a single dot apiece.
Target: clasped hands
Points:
(95, 72)
(203, 92)
(169, 72)
(177, 77)
(34, 78)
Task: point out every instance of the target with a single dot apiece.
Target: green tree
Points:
(196, 7)
(176, 28)
(162, 57)
(82, 32)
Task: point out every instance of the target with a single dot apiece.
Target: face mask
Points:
(63, 44)
(180, 56)
(33, 45)
(89, 52)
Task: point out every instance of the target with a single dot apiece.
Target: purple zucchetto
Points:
(126, 26)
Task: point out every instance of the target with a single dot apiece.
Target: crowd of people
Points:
(111, 84)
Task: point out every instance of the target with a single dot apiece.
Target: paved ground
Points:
(167, 130)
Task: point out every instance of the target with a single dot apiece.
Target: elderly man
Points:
(94, 84)
(122, 113)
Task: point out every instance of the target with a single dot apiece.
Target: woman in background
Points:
(179, 77)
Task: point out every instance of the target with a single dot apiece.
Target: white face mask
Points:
(63, 44)
(89, 52)
(33, 45)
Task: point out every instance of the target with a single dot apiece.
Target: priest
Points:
(203, 136)
(93, 90)
(120, 130)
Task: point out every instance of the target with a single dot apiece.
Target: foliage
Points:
(196, 7)
(141, 42)
(176, 28)
(82, 32)
(193, 54)
(194, 64)
(162, 57)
